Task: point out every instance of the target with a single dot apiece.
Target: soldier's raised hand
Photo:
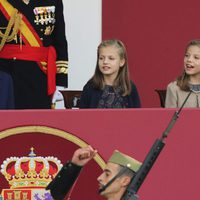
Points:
(83, 155)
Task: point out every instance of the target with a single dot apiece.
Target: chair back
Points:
(71, 98)
(162, 96)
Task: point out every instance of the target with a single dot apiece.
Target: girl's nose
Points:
(105, 60)
(189, 58)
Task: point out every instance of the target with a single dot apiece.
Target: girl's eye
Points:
(196, 57)
(186, 55)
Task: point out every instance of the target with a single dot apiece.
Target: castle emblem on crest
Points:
(28, 176)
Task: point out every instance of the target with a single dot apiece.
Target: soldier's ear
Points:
(125, 180)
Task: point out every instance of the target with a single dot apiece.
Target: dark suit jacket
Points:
(6, 91)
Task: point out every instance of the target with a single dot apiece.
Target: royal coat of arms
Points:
(28, 176)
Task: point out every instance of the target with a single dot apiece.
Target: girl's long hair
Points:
(122, 80)
(183, 80)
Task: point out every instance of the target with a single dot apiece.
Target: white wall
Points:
(83, 31)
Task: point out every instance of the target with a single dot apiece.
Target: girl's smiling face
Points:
(192, 61)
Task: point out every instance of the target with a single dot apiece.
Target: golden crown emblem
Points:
(31, 171)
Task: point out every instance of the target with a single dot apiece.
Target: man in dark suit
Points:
(6, 91)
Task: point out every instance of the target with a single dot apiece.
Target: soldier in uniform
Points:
(33, 50)
(113, 181)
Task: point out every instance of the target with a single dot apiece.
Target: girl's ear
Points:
(122, 62)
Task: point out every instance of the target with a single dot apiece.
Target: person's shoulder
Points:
(88, 85)
(134, 90)
(173, 85)
(89, 88)
(132, 83)
(133, 86)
